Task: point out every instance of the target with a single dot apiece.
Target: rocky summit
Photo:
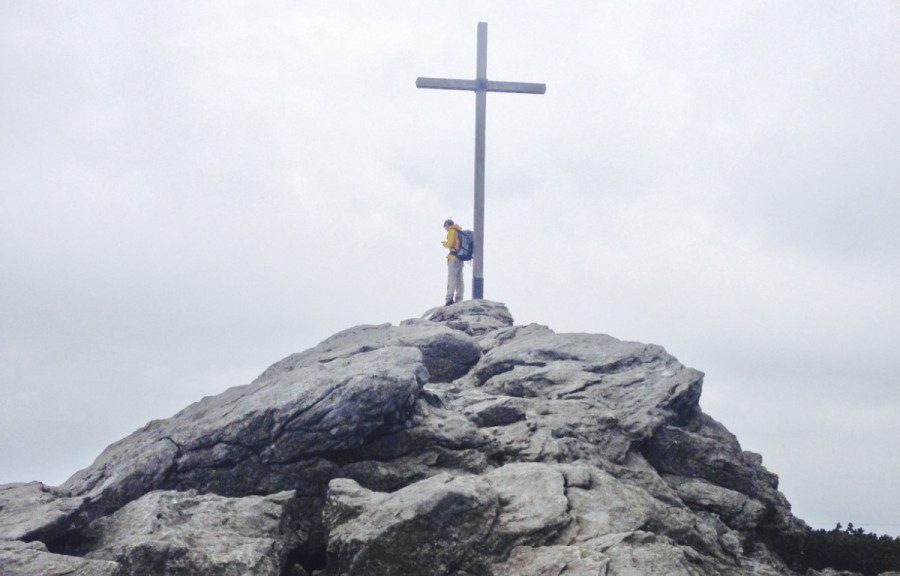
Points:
(456, 444)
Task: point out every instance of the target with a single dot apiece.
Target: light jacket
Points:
(452, 241)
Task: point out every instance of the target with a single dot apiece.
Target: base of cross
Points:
(477, 288)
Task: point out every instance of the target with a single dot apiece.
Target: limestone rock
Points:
(266, 435)
(642, 554)
(33, 559)
(430, 528)
(738, 510)
(704, 449)
(553, 561)
(640, 383)
(346, 500)
(433, 440)
(474, 317)
(171, 533)
(446, 353)
(496, 412)
(533, 504)
(457, 444)
(34, 510)
(584, 395)
(444, 521)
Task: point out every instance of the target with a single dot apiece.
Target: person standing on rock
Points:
(455, 286)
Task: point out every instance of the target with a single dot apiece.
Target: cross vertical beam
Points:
(481, 86)
(480, 117)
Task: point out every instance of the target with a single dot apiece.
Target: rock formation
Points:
(457, 444)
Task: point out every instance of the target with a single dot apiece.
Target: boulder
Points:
(433, 440)
(446, 353)
(534, 506)
(584, 395)
(704, 450)
(737, 510)
(553, 561)
(431, 528)
(643, 553)
(576, 508)
(33, 559)
(32, 511)
(443, 523)
(268, 436)
(172, 533)
(474, 317)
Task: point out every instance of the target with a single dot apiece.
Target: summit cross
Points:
(481, 86)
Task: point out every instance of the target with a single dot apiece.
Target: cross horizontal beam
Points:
(472, 85)
(520, 87)
(446, 84)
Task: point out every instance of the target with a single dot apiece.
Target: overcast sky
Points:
(190, 191)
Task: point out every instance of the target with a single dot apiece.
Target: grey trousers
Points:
(456, 289)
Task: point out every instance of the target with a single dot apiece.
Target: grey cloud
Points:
(191, 192)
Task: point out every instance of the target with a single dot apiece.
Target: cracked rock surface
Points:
(205, 535)
(19, 558)
(454, 444)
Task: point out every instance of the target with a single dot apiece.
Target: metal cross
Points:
(481, 86)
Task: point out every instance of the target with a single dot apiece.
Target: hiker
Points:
(455, 286)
